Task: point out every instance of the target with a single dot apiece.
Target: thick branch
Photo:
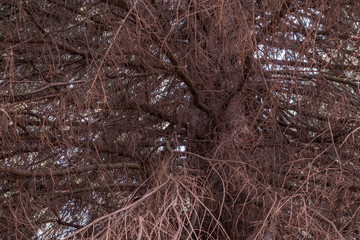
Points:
(342, 80)
(184, 77)
(117, 3)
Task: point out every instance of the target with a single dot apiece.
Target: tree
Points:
(179, 119)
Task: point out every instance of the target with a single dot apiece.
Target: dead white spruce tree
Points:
(179, 119)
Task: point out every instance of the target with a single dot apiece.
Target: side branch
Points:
(61, 172)
(183, 76)
(193, 91)
(248, 61)
(179, 72)
(271, 26)
(21, 94)
(342, 80)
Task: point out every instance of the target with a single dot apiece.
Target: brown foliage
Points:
(159, 119)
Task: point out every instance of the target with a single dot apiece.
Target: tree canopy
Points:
(176, 119)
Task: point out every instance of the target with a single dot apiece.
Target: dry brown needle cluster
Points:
(179, 119)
